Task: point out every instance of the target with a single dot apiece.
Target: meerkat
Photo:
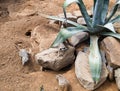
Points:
(63, 83)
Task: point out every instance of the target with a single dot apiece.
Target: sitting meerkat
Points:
(63, 83)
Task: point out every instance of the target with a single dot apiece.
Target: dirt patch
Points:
(15, 30)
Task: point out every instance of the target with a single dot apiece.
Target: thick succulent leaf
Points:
(110, 27)
(95, 59)
(97, 12)
(81, 6)
(85, 14)
(116, 19)
(65, 33)
(116, 35)
(62, 19)
(94, 3)
(106, 27)
(67, 3)
(104, 10)
(113, 11)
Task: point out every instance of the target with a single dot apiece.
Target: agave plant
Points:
(99, 25)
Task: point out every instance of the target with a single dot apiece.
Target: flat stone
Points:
(78, 38)
(83, 74)
(56, 58)
(111, 47)
(117, 77)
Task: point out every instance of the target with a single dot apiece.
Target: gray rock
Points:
(117, 77)
(56, 58)
(83, 74)
(111, 47)
(24, 55)
(63, 83)
(78, 38)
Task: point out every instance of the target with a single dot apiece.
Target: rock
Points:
(109, 68)
(56, 58)
(111, 47)
(78, 38)
(78, 13)
(81, 21)
(117, 77)
(82, 71)
(117, 26)
(24, 55)
(63, 83)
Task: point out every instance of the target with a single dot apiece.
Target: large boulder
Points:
(111, 47)
(56, 58)
(82, 71)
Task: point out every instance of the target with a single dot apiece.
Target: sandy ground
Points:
(18, 17)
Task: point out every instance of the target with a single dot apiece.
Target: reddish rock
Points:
(78, 38)
(83, 74)
(111, 46)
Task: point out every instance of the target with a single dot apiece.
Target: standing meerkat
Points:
(63, 83)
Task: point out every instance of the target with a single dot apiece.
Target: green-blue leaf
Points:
(62, 20)
(97, 20)
(113, 11)
(104, 11)
(65, 33)
(82, 8)
(95, 59)
(110, 27)
(106, 27)
(116, 35)
(85, 14)
(116, 19)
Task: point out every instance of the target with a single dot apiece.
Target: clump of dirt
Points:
(15, 32)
